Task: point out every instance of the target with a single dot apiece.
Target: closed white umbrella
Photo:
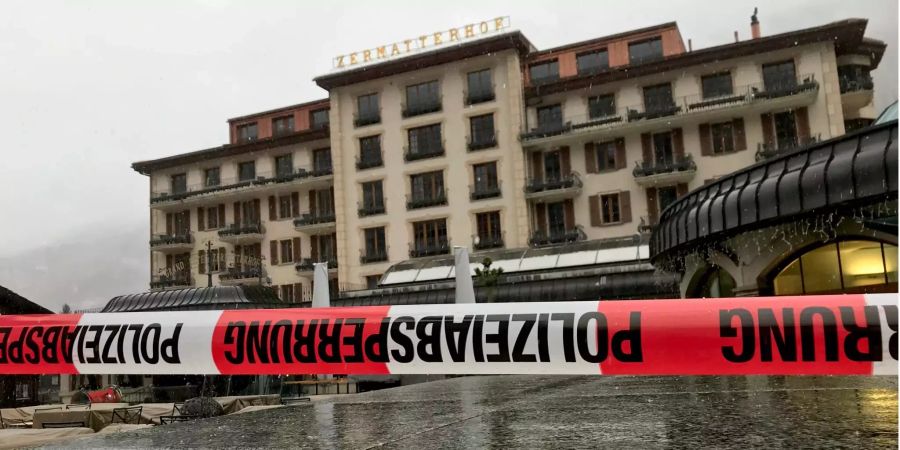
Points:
(321, 294)
(465, 291)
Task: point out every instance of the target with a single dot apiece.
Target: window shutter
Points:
(201, 219)
(594, 203)
(537, 165)
(222, 215)
(647, 147)
(590, 158)
(169, 224)
(569, 209)
(222, 257)
(273, 252)
(625, 206)
(705, 140)
(295, 204)
(768, 129)
(237, 213)
(298, 292)
(295, 245)
(273, 214)
(740, 138)
(565, 163)
(681, 189)
(541, 213)
(677, 144)
(314, 249)
(621, 157)
(802, 117)
(652, 207)
(201, 256)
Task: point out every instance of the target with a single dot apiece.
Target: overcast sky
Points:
(88, 87)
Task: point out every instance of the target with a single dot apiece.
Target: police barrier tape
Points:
(847, 334)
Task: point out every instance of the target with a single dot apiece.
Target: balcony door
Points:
(663, 153)
(322, 202)
(556, 218)
(553, 166)
(785, 129)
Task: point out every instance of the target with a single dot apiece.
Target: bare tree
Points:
(66, 309)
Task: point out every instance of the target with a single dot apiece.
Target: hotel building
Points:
(486, 142)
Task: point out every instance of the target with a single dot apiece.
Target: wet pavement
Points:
(562, 412)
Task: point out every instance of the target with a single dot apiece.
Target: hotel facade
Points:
(486, 142)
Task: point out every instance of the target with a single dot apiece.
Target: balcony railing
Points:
(369, 161)
(423, 249)
(481, 143)
(314, 218)
(856, 83)
(235, 183)
(649, 168)
(170, 239)
(375, 256)
(365, 210)
(571, 180)
(544, 80)
(238, 229)
(766, 150)
(422, 107)
(242, 273)
(308, 264)
(680, 106)
(541, 238)
(480, 96)
(170, 281)
(423, 201)
(431, 151)
(479, 192)
(361, 120)
(488, 241)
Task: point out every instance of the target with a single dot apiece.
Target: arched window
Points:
(841, 267)
(716, 283)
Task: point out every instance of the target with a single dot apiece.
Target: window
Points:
(427, 186)
(556, 218)
(430, 238)
(318, 119)
(284, 165)
(853, 77)
(285, 207)
(422, 98)
(212, 261)
(372, 281)
(482, 129)
(602, 106)
(212, 218)
(179, 183)
(286, 248)
(324, 202)
(722, 137)
(368, 110)
(425, 141)
(553, 166)
(181, 223)
(247, 171)
(372, 198)
(786, 130)
(486, 182)
(666, 196)
(611, 213)
(842, 267)
(779, 76)
(327, 245)
(370, 152)
(716, 85)
(550, 117)
(211, 177)
(606, 155)
(480, 88)
(376, 250)
(490, 234)
(592, 62)
(658, 98)
(544, 72)
(287, 292)
(663, 154)
(645, 51)
(247, 132)
(282, 125)
(322, 161)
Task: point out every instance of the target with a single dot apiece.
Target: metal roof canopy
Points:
(206, 298)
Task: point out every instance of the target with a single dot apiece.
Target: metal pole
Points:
(208, 263)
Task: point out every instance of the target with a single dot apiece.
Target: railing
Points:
(370, 162)
(571, 180)
(320, 126)
(282, 132)
(237, 229)
(481, 144)
(233, 183)
(766, 150)
(544, 80)
(314, 218)
(540, 238)
(479, 96)
(488, 242)
(168, 281)
(307, 264)
(366, 119)
(370, 210)
(244, 273)
(856, 83)
(437, 199)
(477, 192)
(377, 256)
(431, 151)
(422, 107)
(689, 104)
(420, 250)
(168, 239)
(676, 164)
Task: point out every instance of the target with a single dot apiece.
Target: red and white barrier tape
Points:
(814, 335)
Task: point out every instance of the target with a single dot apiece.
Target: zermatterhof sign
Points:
(423, 42)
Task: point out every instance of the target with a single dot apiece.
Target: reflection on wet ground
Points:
(553, 412)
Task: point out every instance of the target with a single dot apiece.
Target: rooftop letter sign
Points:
(423, 42)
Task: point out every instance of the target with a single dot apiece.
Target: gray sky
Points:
(88, 87)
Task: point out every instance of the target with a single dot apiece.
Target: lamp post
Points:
(208, 266)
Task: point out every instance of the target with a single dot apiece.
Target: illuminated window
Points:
(847, 266)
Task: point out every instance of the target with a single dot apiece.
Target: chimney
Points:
(690, 46)
(754, 25)
(735, 36)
